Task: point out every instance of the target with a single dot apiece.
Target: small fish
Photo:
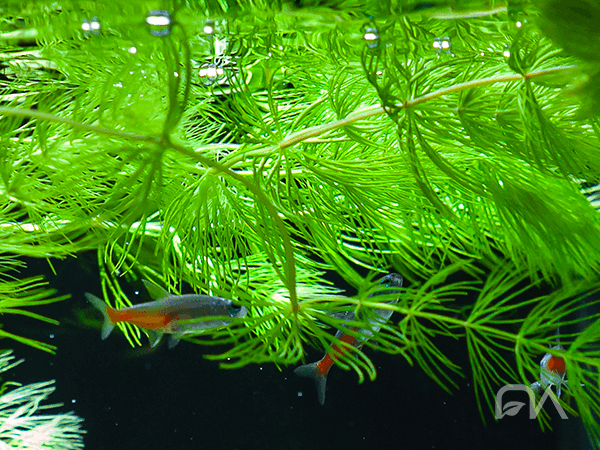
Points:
(553, 372)
(167, 314)
(318, 370)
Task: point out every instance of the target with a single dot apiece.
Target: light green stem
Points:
(490, 331)
(376, 110)
(289, 141)
(19, 112)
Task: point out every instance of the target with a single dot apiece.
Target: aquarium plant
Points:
(17, 293)
(250, 149)
(21, 424)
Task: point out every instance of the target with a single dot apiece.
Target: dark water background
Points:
(175, 399)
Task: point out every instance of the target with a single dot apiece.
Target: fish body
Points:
(169, 314)
(553, 372)
(319, 370)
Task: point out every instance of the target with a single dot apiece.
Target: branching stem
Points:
(289, 141)
(490, 331)
(376, 110)
(289, 263)
(21, 112)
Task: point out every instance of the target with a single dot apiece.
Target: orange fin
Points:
(312, 371)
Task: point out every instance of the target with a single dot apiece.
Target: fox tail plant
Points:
(249, 149)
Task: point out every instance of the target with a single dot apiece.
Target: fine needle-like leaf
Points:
(253, 156)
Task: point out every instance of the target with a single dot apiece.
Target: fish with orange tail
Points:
(170, 314)
(318, 370)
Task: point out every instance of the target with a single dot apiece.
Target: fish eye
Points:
(392, 280)
(233, 309)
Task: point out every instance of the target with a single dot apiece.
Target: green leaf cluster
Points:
(17, 293)
(248, 148)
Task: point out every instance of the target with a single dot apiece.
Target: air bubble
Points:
(159, 22)
(371, 36)
(209, 27)
(91, 26)
(210, 73)
(442, 45)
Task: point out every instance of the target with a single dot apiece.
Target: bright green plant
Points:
(246, 148)
(16, 294)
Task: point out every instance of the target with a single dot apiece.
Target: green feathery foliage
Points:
(246, 148)
(16, 294)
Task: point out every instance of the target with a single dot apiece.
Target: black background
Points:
(176, 399)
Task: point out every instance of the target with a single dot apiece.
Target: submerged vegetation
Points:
(249, 149)
(22, 425)
(18, 293)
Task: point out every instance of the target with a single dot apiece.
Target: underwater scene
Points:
(303, 224)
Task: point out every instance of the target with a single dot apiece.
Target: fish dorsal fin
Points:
(155, 291)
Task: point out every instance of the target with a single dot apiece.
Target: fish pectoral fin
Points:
(155, 291)
(154, 337)
(174, 340)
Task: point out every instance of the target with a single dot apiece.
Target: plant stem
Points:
(21, 112)
(292, 139)
(376, 110)
(290, 261)
(490, 331)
